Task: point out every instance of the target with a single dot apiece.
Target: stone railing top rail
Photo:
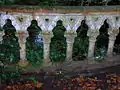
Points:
(59, 9)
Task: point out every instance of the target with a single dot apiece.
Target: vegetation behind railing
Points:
(61, 3)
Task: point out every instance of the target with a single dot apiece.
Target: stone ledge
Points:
(83, 65)
(74, 66)
(59, 9)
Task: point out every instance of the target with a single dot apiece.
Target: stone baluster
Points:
(112, 38)
(22, 35)
(70, 35)
(46, 40)
(1, 36)
(94, 23)
(92, 39)
(113, 32)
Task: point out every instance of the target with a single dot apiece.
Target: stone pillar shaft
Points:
(110, 46)
(46, 51)
(22, 40)
(91, 48)
(92, 33)
(46, 39)
(113, 33)
(69, 50)
(70, 40)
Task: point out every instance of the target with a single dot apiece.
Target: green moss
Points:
(10, 43)
(80, 46)
(58, 43)
(34, 44)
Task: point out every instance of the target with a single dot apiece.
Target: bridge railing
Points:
(71, 21)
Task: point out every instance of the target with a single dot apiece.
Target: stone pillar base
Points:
(109, 58)
(90, 58)
(109, 55)
(91, 48)
(46, 63)
(23, 63)
(92, 62)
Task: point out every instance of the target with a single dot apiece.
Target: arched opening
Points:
(10, 43)
(81, 43)
(58, 43)
(102, 40)
(116, 49)
(34, 44)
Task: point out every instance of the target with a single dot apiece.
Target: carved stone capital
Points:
(93, 34)
(72, 22)
(113, 32)
(92, 39)
(94, 21)
(113, 21)
(22, 35)
(70, 35)
(47, 36)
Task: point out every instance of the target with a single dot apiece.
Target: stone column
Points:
(22, 35)
(70, 35)
(94, 22)
(46, 40)
(1, 36)
(91, 47)
(110, 46)
(113, 33)
(92, 39)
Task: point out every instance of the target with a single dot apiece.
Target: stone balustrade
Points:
(71, 22)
